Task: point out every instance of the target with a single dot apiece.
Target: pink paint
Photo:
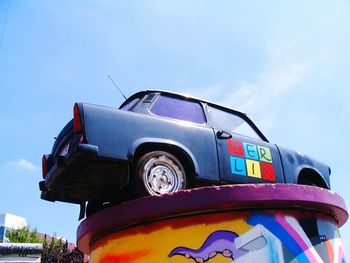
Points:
(296, 236)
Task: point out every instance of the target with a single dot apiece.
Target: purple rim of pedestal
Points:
(210, 199)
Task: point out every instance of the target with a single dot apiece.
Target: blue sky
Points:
(284, 63)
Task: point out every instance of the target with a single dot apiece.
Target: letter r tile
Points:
(238, 166)
(265, 154)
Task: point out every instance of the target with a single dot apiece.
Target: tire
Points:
(159, 173)
(307, 182)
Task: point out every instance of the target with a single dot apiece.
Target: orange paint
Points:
(330, 250)
(177, 223)
(125, 257)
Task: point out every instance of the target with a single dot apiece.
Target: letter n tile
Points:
(267, 172)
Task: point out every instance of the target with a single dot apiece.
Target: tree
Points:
(23, 235)
(54, 250)
(57, 252)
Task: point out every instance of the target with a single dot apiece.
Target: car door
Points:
(243, 155)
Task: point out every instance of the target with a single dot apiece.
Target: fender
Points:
(157, 141)
(294, 163)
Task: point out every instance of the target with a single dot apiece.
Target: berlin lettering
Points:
(248, 159)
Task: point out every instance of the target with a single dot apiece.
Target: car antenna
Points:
(116, 86)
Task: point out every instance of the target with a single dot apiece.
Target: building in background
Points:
(34, 252)
(16, 252)
(10, 221)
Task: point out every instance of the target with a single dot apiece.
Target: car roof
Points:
(181, 95)
(188, 97)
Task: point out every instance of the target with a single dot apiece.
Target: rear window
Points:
(179, 109)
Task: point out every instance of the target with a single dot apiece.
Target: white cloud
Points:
(263, 99)
(24, 164)
(210, 92)
(271, 86)
(288, 80)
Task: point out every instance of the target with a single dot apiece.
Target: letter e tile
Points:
(251, 151)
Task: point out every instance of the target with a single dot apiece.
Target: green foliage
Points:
(57, 251)
(54, 250)
(23, 235)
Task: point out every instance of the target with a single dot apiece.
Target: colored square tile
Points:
(268, 172)
(251, 151)
(253, 168)
(238, 166)
(235, 148)
(265, 154)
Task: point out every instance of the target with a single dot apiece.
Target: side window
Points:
(129, 106)
(227, 121)
(179, 109)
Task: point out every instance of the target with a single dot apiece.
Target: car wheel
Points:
(307, 182)
(158, 173)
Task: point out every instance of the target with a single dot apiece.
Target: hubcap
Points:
(161, 176)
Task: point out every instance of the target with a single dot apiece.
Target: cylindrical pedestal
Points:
(244, 223)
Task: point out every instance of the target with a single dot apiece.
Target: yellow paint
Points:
(160, 238)
(253, 168)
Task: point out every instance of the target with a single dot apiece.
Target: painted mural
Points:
(219, 242)
(271, 236)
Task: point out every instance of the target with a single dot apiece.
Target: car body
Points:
(161, 142)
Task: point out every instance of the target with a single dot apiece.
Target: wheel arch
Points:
(310, 175)
(142, 146)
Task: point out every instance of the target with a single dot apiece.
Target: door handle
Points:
(223, 135)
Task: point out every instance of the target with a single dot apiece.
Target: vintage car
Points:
(160, 142)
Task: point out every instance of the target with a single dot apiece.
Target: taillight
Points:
(44, 166)
(78, 127)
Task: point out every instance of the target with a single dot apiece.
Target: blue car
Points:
(161, 142)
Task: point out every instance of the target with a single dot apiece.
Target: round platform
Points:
(285, 213)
